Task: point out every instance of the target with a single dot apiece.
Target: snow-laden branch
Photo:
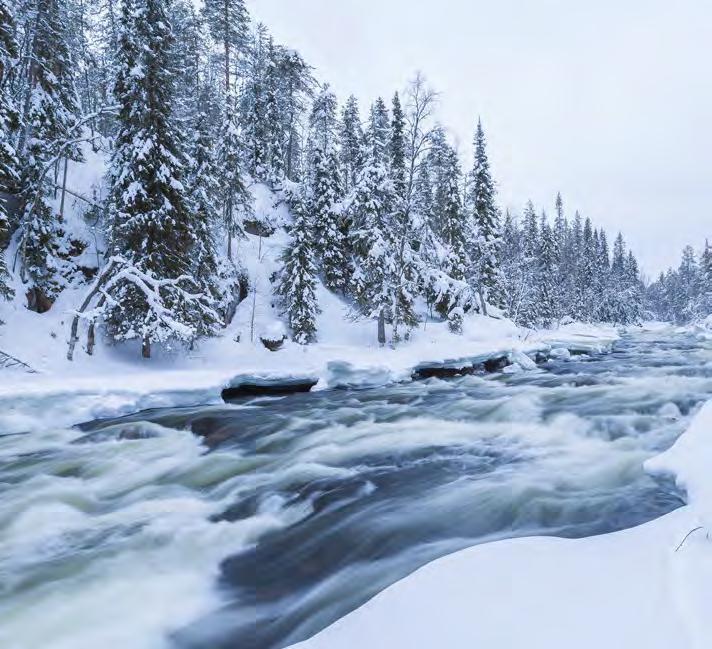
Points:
(120, 272)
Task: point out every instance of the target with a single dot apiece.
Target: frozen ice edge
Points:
(53, 400)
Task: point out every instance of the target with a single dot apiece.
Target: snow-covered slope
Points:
(115, 379)
(648, 587)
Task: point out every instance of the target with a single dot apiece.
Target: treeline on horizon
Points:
(192, 108)
(684, 294)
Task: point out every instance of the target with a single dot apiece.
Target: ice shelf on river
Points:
(112, 384)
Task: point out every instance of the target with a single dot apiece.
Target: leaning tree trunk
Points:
(104, 277)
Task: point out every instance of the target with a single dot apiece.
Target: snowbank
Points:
(689, 461)
(649, 586)
(114, 382)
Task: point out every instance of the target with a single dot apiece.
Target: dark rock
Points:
(38, 301)
(258, 228)
(267, 389)
(273, 345)
(448, 371)
(442, 372)
(496, 364)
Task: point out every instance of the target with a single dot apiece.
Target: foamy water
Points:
(136, 533)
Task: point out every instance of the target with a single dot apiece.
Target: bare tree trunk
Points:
(91, 339)
(226, 43)
(146, 347)
(228, 222)
(252, 317)
(112, 23)
(483, 302)
(64, 189)
(381, 328)
(26, 133)
(56, 177)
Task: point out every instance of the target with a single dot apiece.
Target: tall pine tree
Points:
(326, 193)
(9, 123)
(297, 284)
(352, 146)
(486, 224)
(51, 113)
(371, 208)
(153, 296)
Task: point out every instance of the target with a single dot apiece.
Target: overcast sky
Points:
(607, 101)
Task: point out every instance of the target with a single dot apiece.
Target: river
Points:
(256, 524)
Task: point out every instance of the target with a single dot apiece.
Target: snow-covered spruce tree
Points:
(371, 208)
(565, 275)
(603, 278)
(546, 285)
(52, 111)
(261, 120)
(689, 281)
(274, 133)
(378, 133)
(99, 62)
(203, 192)
(635, 291)
(706, 279)
(9, 123)
(234, 197)
(396, 148)
(406, 272)
(189, 59)
(454, 236)
(485, 215)
(152, 295)
(295, 84)
(587, 272)
(575, 256)
(626, 288)
(297, 282)
(253, 105)
(423, 208)
(324, 201)
(530, 245)
(352, 143)
(515, 275)
(229, 22)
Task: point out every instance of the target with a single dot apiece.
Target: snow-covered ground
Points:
(647, 587)
(116, 380)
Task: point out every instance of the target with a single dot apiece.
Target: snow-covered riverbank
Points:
(115, 382)
(649, 586)
(262, 523)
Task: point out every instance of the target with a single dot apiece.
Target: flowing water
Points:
(254, 525)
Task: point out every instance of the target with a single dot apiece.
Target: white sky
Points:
(608, 101)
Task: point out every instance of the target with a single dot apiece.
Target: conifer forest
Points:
(192, 107)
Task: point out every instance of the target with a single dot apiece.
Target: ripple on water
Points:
(257, 524)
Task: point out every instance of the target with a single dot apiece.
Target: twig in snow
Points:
(8, 361)
(687, 536)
